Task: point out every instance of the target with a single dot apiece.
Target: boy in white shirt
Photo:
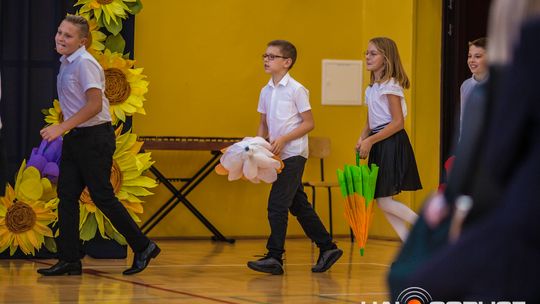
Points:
(286, 119)
(87, 152)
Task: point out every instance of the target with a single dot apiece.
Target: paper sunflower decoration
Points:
(250, 159)
(53, 116)
(109, 13)
(128, 184)
(24, 212)
(124, 86)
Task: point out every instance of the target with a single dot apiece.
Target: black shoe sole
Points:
(71, 272)
(331, 262)
(272, 270)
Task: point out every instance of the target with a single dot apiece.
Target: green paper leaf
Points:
(114, 234)
(114, 27)
(115, 43)
(135, 7)
(50, 244)
(88, 231)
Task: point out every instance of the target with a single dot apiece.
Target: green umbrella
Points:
(357, 184)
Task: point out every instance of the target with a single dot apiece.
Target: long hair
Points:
(392, 62)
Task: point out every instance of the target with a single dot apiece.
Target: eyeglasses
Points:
(271, 57)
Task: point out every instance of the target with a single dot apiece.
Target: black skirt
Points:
(397, 165)
(3, 166)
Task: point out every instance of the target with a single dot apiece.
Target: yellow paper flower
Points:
(110, 12)
(124, 86)
(24, 213)
(53, 116)
(128, 183)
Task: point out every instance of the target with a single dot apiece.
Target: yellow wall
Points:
(205, 71)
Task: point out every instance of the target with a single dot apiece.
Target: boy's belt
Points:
(85, 130)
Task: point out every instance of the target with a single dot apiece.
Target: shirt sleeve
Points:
(301, 100)
(261, 108)
(90, 75)
(391, 88)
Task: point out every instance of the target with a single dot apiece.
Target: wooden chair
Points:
(319, 147)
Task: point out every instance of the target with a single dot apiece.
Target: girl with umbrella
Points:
(384, 138)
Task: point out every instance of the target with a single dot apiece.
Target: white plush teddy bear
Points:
(251, 159)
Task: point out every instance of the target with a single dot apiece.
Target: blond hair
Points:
(392, 63)
(79, 22)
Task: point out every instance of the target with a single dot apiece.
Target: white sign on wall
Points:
(342, 82)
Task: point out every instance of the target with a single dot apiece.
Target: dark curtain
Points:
(29, 65)
(463, 21)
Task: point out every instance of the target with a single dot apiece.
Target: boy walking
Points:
(87, 152)
(286, 119)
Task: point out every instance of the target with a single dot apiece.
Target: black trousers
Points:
(87, 155)
(288, 194)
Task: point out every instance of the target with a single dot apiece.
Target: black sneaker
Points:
(267, 264)
(326, 259)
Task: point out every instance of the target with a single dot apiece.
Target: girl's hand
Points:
(277, 146)
(50, 133)
(365, 147)
(358, 144)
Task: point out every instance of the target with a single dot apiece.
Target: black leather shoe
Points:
(326, 259)
(61, 268)
(267, 264)
(141, 259)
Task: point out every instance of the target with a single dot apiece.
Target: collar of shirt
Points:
(73, 56)
(476, 81)
(282, 82)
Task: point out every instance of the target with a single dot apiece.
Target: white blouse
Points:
(377, 102)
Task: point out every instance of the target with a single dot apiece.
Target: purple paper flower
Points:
(46, 159)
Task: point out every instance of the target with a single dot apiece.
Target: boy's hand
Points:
(277, 146)
(50, 133)
(365, 147)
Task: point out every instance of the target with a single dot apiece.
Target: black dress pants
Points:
(87, 155)
(288, 194)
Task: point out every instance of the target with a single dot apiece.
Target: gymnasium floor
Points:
(207, 272)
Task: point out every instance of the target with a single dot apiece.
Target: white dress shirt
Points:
(377, 102)
(78, 73)
(282, 104)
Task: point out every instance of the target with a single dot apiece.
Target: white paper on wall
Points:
(342, 82)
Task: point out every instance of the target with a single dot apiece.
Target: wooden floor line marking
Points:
(230, 265)
(248, 300)
(105, 275)
(336, 299)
